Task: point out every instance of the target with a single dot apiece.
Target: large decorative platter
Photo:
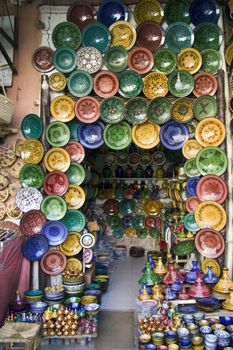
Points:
(148, 10)
(66, 34)
(89, 59)
(57, 159)
(173, 135)
(150, 35)
(211, 160)
(91, 135)
(210, 132)
(35, 247)
(53, 207)
(146, 135)
(155, 85)
(53, 262)
(62, 108)
(184, 248)
(96, 35)
(74, 220)
(87, 109)
(209, 243)
(210, 214)
(159, 110)
(179, 36)
(212, 188)
(72, 245)
(65, 59)
(118, 136)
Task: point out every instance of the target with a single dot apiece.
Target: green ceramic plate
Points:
(179, 36)
(53, 207)
(180, 83)
(57, 134)
(67, 34)
(208, 36)
(73, 125)
(165, 61)
(205, 107)
(190, 168)
(117, 136)
(80, 83)
(211, 161)
(65, 59)
(116, 59)
(75, 173)
(136, 110)
(127, 206)
(113, 221)
(142, 233)
(31, 175)
(130, 84)
(112, 110)
(177, 11)
(74, 220)
(154, 233)
(159, 110)
(190, 223)
(211, 61)
(184, 248)
(96, 35)
(138, 221)
(118, 233)
(32, 126)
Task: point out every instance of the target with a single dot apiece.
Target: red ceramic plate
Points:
(76, 151)
(141, 60)
(129, 193)
(53, 262)
(111, 207)
(205, 84)
(42, 59)
(32, 222)
(192, 203)
(87, 255)
(56, 183)
(209, 243)
(87, 109)
(81, 14)
(105, 84)
(149, 222)
(150, 35)
(212, 188)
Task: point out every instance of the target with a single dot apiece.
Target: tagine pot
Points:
(183, 295)
(210, 277)
(144, 294)
(199, 289)
(191, 276)
(225, 283)
(170, 295)
(177, 286)
(172, 275)
(149, 277)
(189, 265)
(157, 292)
(160, 268)
(149, 290)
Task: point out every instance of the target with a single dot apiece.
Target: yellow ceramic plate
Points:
(190, 149)
(57, 159)
(155, 85)
(229, 54)
(75, 197)
(131, 232)
(123, 34)
(57, 81)
(189, 59)
(210, 132)
(210, 214)
(17, 147)
(2, 211)
(62, 108)
(74, 264)
(32, 151)
(211, 262)
(182, 110)
(72, 245)
(148, 10)
(152, 207)
(12, 211)
(4, 194)
(146, 135)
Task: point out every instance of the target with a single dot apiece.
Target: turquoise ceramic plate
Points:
(73, 125)
(53, 207)
(130, 84)
(180, 83)
(116, 59)
(136, 110)
(177, 11)
(190, 168)
(205, 107)
(190, 223)
(57, 134)
(112, 110)
(208, 36)
(32, 126)
(96, 35)
(211, 61)
(159, 110)
(67, 34)
(80, 83)
(211, 161)
(75, 173)
(165, 61)
(138, 221)
(118, 233)
(74, 220)
(31, 175)
(179, 36)
(65, 59)
(118, 136)
(127, 206)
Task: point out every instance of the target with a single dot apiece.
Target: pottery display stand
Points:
(20, 336)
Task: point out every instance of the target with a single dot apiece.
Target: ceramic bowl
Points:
(205, 330)
(72, 300)
(218, 327)
(188, 318)
(197, 340)
(199, 316)
(211, 338)
(88, 299)
(170, 334)
(226, 320)
(203, 323)
(182, 332)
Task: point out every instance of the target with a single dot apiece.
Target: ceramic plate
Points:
(121, 158)
(75, 173)
(118, 136)
(113, 221)
(209, 243)
(192, 203)
(112, 110)
(150, 222)
(123, 34)
(180, 83)
(165, 61)
(159, 110)
(80, 83)
(87, 240)
(57, 134)
(130, 84)
(72, 245)
(127, 206)
(173, 135)
(140, 60)
(32, 126)
(73, 125)
(130, 232)
(76, 151)
(179, 36)
(57, 159)
(155, 85)
(32, 151)
(211, 61)
(53, 207)
(190, 223)
(212, 188)
(148, 10)
(28, 198)
(112, 11)
(205, 84)
(110, 158)
(116, 59)
(205, 107)
(74, 220)
(91, 135)
(177, 11)
(190, 149)
(57, 81)
(141, 233)
(42, 59)
(145, 159)
(62, 108)
(136, 110)
(56, 183)
(152, 207)
(89, 59)
(204, 11)
(118, 233)
(106, 84)
(32, 222)
(210, 132)
(189, 59)
(138, 221)
(184, 248)
(210, 214)
(150, 35)
(191, 185)
(190, 168)
(66, 34)
(96, 35)
(87, 109)
(81, 14)
(65, 59)
(214, 264)
(211, 160)
(75, 197)
(55, 232)
(229, 54)
(53, 263)
(208, 36)
(182, 110)
(111, 206)
(159, 158)
(74, 264)
(35, 247)
(146, 135)
(31, 175)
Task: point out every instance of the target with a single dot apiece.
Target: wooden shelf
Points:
(141, 179)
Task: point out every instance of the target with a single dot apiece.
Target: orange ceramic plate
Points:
(210, 214)
(146, 135)
(190, 149)
(57, 159)
(62, 108)
(210, 132)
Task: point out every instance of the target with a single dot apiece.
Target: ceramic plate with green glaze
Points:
(127, 206)
(32, 126)
(142, 233)
(31, 175)
(80, 83)
(177, 11)
(138, 221)
(118, 136)
(75, 173)
(130, 84)
(73, 125)
(53, 207)
(211, 61)
(57, 134)
(207, 36)
(180, 83)
(113, 221)
(165, 61)
(116, 59)
(96, 35)
(136, 110)
(112, 110)
(190, 223)
(74, 220)
(179, 36)
(65, 59)
(211, 161)
(118, 233)
(205, 107)
(190, 168)
(67, 34)
(184, 248)
(159, 110)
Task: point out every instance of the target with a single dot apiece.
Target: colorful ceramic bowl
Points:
(31, 175)
(205, 84)
(89, 59)
(211, 161)
(106, 84)
(189, 59)
(81, 14)
(62, 108)
(123, 34)
(80, 83)
(130, 84)
(42, 59)
(210, 214)
(112, 110)
(66, 34)
(32, 126)
(74, 220)
(31, 223)
(173, 135)
(180, 83)
(177, 11)
(118, 136)
(96, 35)
(150, 35)
(159, 110)
(91, 135)
(32, 151)
(75, 173)
(57, 81)
(211, 61)
(56, 183)
(155, 85)
(112, 11)
(136, 110)
(204, 11)
(87, 109)
(165, 61)
(148, 10)
(57, 134)
(75, 151)
(35, 247)
(71, 246)
(179, 36)
(140, 60)
(53, 207)
(207, 36)
(182, 110)
(75, 197)
(210, 132)
(146, 135)
(65, 59)
(204, 107)
(57, 159)
(116, 59)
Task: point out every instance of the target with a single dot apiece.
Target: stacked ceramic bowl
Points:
(38, 307)
(74, 286)
(54, 297)
(224, 339)
(211, 342)
(33, 295)
(92, 309)
(94, 292)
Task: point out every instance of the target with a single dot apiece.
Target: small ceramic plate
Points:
(205, 84)
(91, 135)
(32, 126)
(214, 264)
(87, 109)
(155, 85)
(182, 110)
(53, 262)
(28, 198)
(74, 220)
(96, 35)
(145, 159)
(66, 34)
(140, 60)
(35, 247)
(32, 151)
(106, 84)
(210, 132)
(76, 151)
(65, 59)
(190, 149)
(74, 264)
(32, 222)
(123, 34)
(57, 82)
(210, 214)
(112, 11)
(116, 59)
(179, 36)
(81, 14)
(112, 110)
(204, 11)
(111, 206)
(208, 36)
(211, 61)
(136, 110)
(87, 240)
(57, 134)
(159, 110)
(173, 135)
(121, 158)
(190, 168)
(152, 207)
(118, 136)
(212, 188)
(62, 108)
(159, 158)
(55, 232)
(56, 183)
(53, 207)
(209, 243)
(190, 223)
(42, 59)
(134, 159)
(80, 83)
(211, 161)
(57, 159)
(191, 185)
(177, 11)
(150, 35)
(148, 10)
(205, 107)
(75, 197)
(31, 175)
(146, 135)
(75, 173)
(113, 221)
(180, 83)
(192, 203)
(165, 61)
(118, 233)
(89, 59)
(72, 245)
(130, 84)
(189, 59)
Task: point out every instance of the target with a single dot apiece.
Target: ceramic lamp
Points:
(199, 289)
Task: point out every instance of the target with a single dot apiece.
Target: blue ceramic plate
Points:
(179, 36)
(204, 11)
(187, 309)
(191, 185)
(74, 220)
(210, 300)
(80, 83)
(35, 247)
(91, 135)
(112, 11)
(96, 35)
(55, 232)
(173, 135)
(65, 59)
(127, 221)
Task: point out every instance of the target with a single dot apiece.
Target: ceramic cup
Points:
(185, 342)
